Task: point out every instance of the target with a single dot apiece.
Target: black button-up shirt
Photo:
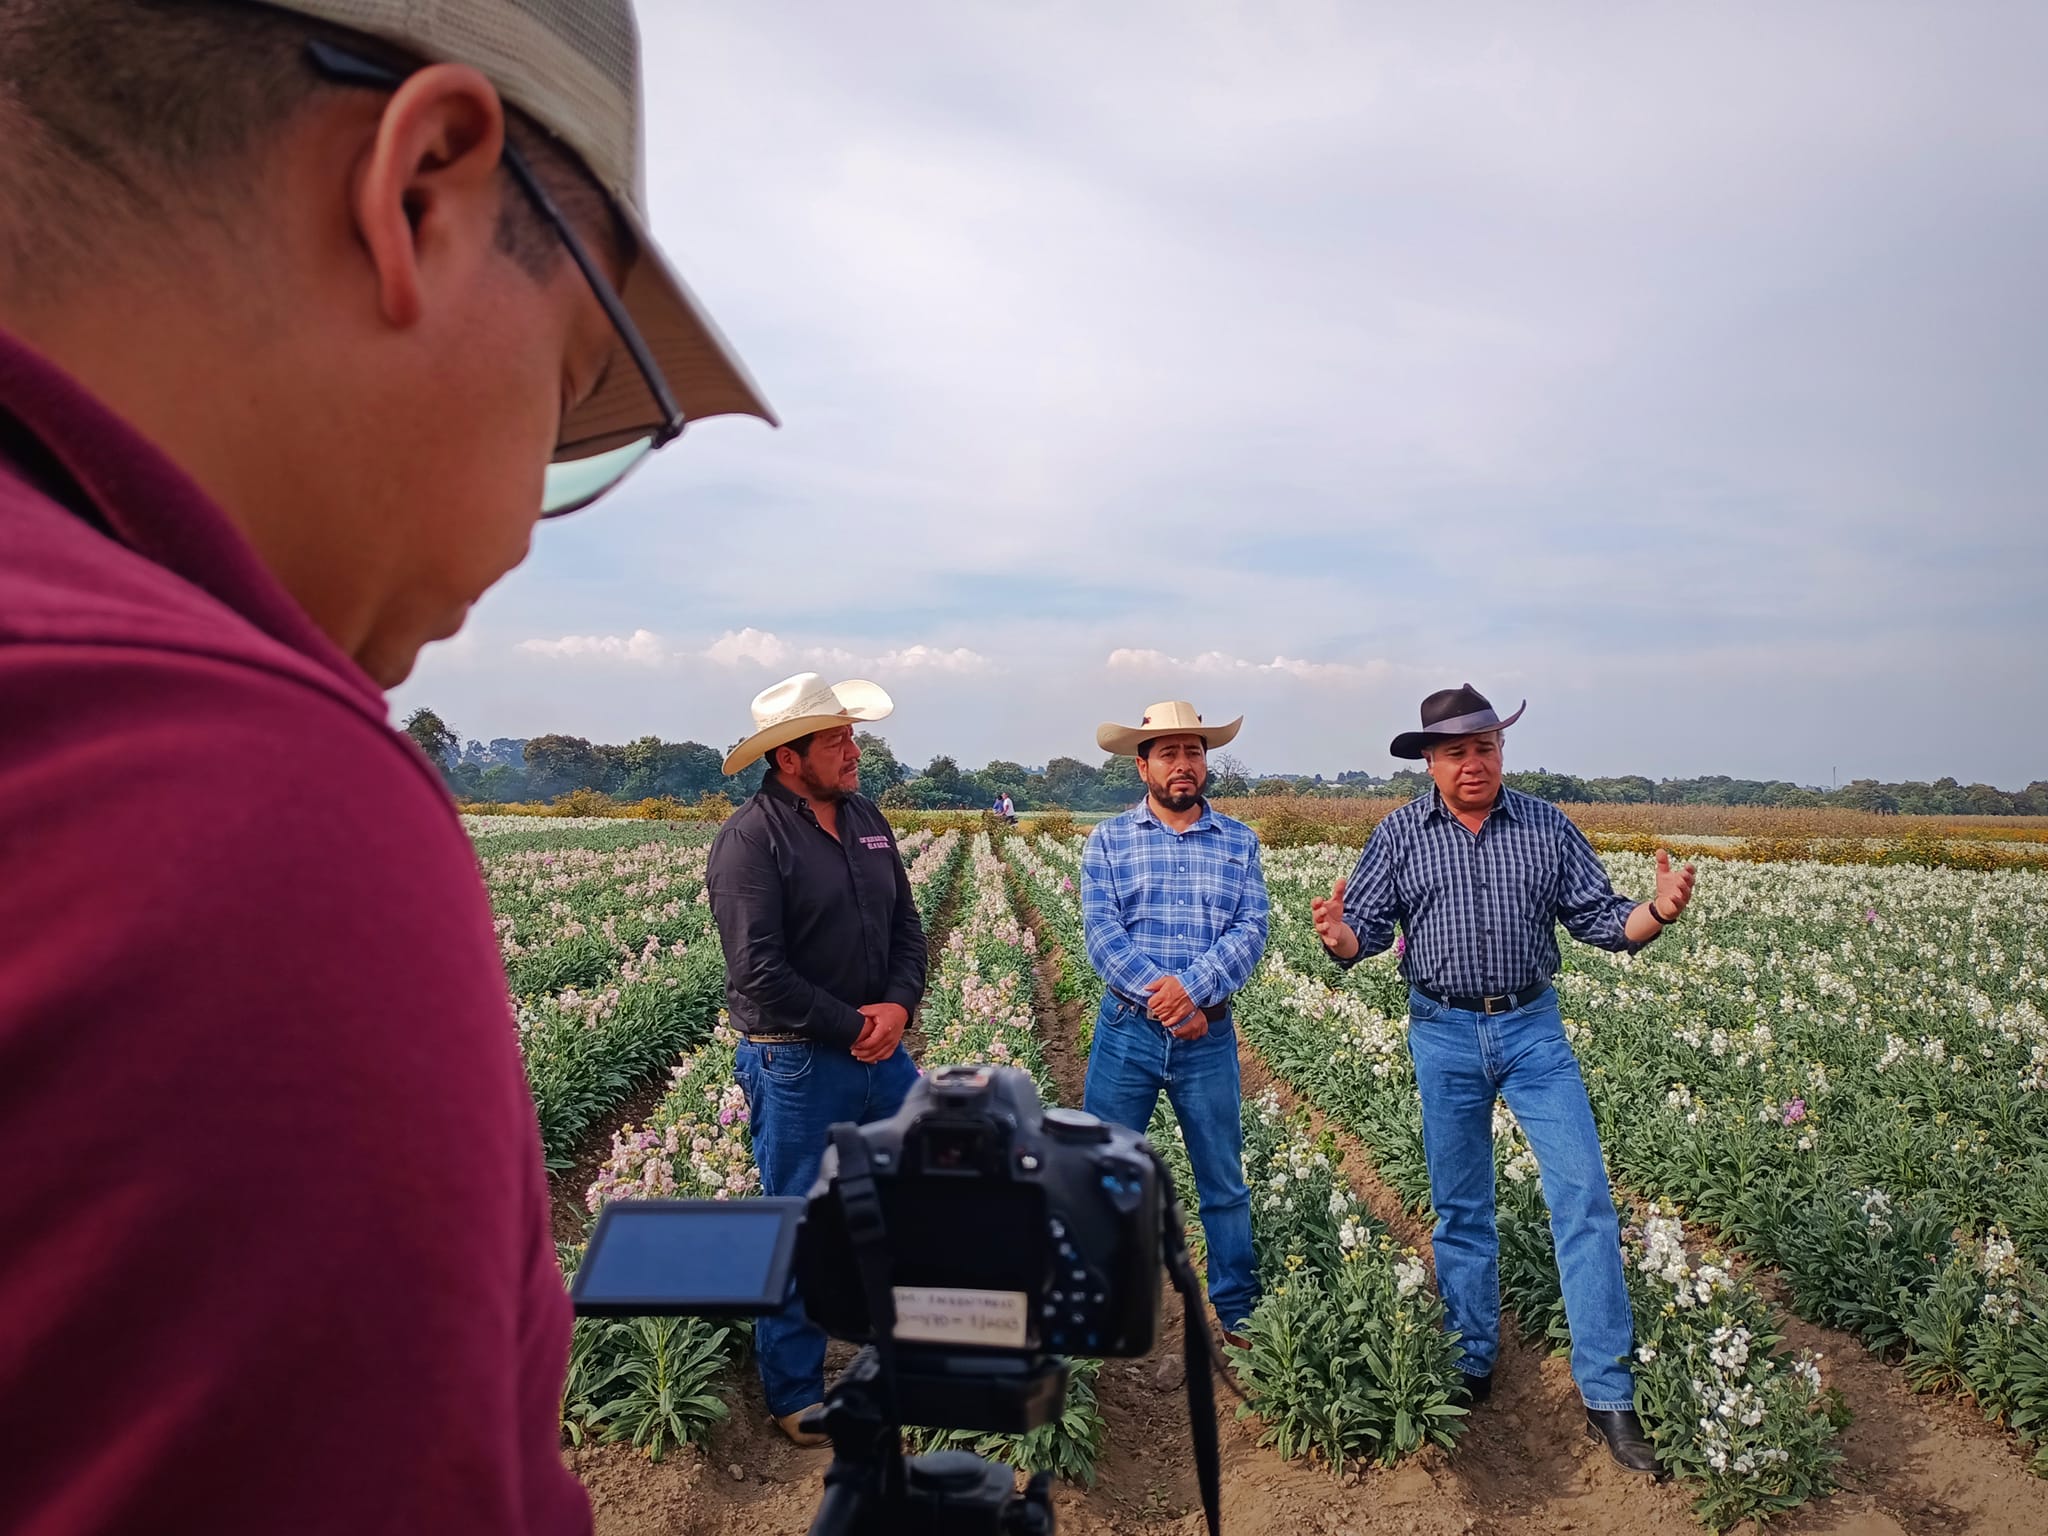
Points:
(814, 927)
(1481, 910)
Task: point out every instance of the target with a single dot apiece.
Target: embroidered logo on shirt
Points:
(877, 843)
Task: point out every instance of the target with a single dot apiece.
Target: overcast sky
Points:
(1681, 368)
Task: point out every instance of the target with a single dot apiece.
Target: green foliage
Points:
(652, 1382)
(610, 957)
(434, 738)
(1348, 1355)
(1069, 1446)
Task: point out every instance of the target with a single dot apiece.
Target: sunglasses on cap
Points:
(572, 484)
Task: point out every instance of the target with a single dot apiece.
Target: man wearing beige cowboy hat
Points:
(825, 961)
(1478, 876)
(1173, 906)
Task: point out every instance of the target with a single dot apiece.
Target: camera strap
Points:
(868, 1235)
(1196, 1358)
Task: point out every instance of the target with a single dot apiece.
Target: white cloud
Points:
(1221, 663)
(931, 658)
(641, 648)
(761, 647)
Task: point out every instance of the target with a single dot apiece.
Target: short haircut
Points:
(799, 746)
(152, 111)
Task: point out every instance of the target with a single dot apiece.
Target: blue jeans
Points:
(1132, 1059)
(1462, 1060)
(795, 1094)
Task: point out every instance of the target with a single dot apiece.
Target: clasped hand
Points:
(880, 1032)
(1172, 1007)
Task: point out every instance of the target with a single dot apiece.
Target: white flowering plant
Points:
(1808, 1035)
(1348, 1356)
(1749, 1426)
(979, 1006)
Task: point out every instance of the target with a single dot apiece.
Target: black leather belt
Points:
(1500, 1002)
(1214, 1012)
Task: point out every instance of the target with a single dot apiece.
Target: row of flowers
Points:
(979, 1007)
(1349, 1359)
(611, 962)
(657, 1381)
(1351, 1059)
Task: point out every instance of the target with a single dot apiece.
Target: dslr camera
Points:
(970, 1243)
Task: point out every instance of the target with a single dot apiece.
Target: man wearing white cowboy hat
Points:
(825, 961)
(1173, 905)
(1478, 876)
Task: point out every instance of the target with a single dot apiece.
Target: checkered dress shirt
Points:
(1156, 902)
(1481, 912)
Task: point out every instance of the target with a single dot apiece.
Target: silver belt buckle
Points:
(1505, 999)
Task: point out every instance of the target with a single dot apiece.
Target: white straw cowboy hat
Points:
(799, 705)
(1174, 717)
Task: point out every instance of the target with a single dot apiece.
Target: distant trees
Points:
(880, 772)
(441, 745)
(542, 767)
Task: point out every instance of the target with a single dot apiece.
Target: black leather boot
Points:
(1478, 1388)
(1623, 1435)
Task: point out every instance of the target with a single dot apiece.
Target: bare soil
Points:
(1914, 1466)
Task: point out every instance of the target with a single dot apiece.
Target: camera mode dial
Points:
(1076, 1126)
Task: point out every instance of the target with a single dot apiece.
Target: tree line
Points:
(508, 770)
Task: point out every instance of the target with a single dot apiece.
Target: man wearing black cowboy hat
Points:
(1477, 876)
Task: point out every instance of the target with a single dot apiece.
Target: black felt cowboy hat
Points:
(1449, 714)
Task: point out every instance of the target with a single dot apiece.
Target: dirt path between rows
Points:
(567, 1188)
(1920, 1465)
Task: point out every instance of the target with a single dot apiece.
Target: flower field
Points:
(1826, 1091)
(1839, 1069)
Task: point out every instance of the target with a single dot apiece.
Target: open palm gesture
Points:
(1674, 888)
(1336, 934)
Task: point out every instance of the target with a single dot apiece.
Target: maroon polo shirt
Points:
(274, 1238)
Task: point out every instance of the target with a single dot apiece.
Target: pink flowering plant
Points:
(980, 1007)
(695, 1145)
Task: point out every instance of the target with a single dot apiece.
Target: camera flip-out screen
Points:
(652, 1258)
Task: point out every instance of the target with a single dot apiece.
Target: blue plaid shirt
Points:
(1156, 902)
(1481, 912)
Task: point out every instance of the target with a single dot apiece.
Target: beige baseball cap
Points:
(573, 66)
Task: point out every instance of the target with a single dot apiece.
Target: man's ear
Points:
(427, 185)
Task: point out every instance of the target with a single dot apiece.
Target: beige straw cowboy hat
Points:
(1174, 717)
(799, 705)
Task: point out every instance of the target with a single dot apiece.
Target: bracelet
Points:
(1662, 920)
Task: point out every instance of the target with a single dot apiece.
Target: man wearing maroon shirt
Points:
(293, 320)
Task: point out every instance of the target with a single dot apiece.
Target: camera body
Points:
(1011, 1227)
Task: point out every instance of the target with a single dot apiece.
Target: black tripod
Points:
(873, 1488)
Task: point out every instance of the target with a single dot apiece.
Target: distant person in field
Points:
(1005, 808)
(1173, 908)
(1478, 876)
(301, 329)
(824, 965)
